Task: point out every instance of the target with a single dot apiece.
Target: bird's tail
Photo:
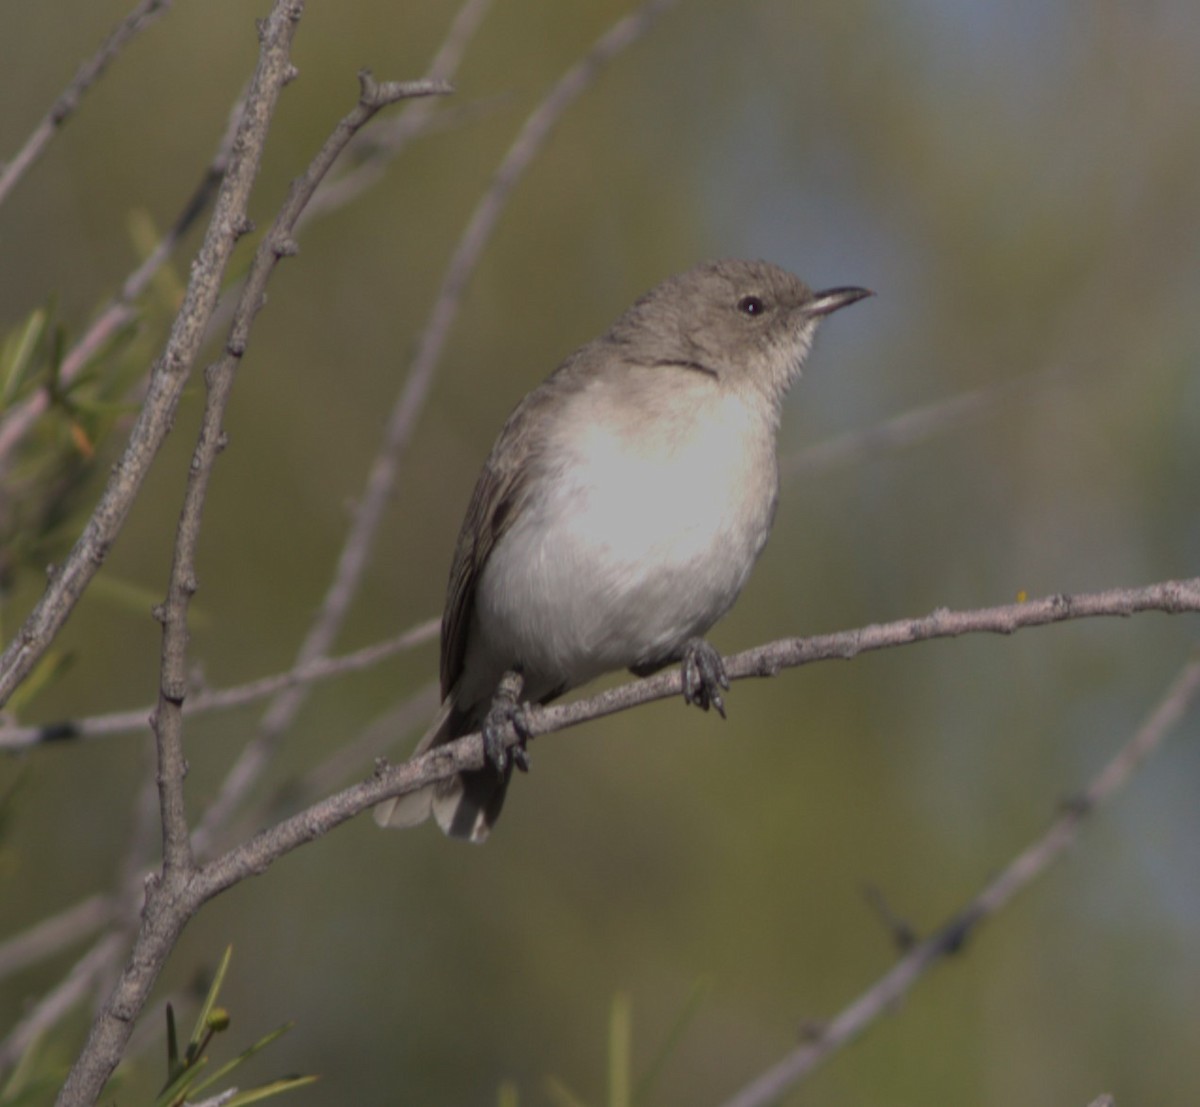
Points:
(465, 806)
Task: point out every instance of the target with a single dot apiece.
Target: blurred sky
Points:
(1018, 183)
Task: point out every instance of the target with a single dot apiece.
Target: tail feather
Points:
(465, 806)
(414, 808)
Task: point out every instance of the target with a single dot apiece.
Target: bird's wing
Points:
(499, 498)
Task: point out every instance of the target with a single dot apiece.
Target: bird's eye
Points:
(751, 305)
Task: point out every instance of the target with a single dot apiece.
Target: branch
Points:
(170, 372)
(50, 1009)
(256, 855)
(913, 426)
(333, 193)
(278, 242)
(1021, 871)
(174, 897)
(64, 107)
(386, 141)
(381, 480)
(14, 738)
(1172, 597)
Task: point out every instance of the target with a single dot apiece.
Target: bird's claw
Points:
(507, 710)
(704, 676)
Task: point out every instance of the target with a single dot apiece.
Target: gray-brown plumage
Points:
(621, 509)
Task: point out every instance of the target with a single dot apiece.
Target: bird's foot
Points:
(704, 676)
(507, 709)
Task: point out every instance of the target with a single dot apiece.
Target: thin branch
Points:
(164, 917)
(381, 480)
(14, 738)
(1172, 597)
(334, 192)
(256, 855)
(912, 426)
(346, 762)
(382, 734)
(172, 898)
(166, 910)
(53, 935)
(81, 980)
(68, 101)
(171, 371)
(385, 141)
(278, 242)
(120, 310)
(1020, 872)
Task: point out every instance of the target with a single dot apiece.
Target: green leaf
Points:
(245, 1055)
(176, 1090)
(284, 1084)
(18, 351)
(165, 284)
(691, 1008)
(620, 1050)
(172, 1044)
(203, 1030)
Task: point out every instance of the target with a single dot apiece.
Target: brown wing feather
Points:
(497, 501)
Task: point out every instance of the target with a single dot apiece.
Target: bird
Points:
(618, 515)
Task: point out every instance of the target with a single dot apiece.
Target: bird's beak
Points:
(829, 301)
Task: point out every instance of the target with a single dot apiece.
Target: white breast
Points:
(644, 535)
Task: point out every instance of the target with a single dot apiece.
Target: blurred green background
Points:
(1019, 183)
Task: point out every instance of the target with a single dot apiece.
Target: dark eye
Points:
(751, 305)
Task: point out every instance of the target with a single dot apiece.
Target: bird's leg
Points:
(507, 707)
(704, 676)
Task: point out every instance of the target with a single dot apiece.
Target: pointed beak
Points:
(829, 301)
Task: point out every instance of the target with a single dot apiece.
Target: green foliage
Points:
(184, 1071)
(47, 466)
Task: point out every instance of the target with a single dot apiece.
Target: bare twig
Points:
(910, 427)
(278, 242)
(14, 738)
(884, 993)
(62, 109)
(48, 1010)
(255, 855)
(1172, 597)
(166, 902)
(386, 140)
(347, 760)
(335, 191)
(170, 372)
(53, 935)
(172, 896)
(409, 404)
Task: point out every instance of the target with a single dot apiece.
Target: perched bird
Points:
(619, 513)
